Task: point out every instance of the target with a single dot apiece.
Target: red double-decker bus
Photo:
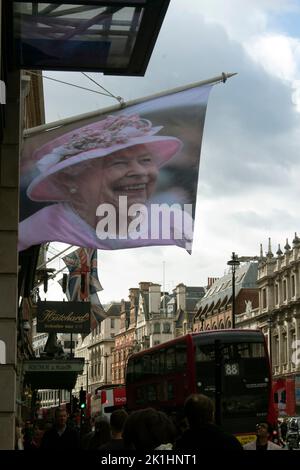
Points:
(230, 366)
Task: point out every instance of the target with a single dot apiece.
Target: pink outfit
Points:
(60, 223)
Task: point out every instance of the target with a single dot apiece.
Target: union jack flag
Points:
(82, 266)
(83, 282)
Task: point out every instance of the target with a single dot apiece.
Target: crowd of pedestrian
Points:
(143, 430)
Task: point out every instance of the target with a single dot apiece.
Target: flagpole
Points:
(54, 257)
(80, 117)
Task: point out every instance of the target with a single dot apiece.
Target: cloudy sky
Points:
(250, 168)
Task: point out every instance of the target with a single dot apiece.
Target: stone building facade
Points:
(278, 316)
(101, 348)
(22, 96)
(125, 339)
(150, 318)
(214, 310)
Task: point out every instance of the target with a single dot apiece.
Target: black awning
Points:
(52, 373)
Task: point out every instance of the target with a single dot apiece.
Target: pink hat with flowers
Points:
(96, 140)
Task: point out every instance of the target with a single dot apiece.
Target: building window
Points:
(156, 328)
(276, 293)
(293, 282)
(112, 323)
(166, 328)
(284, 286)
(276, 351)
(284, 348)
(293, 350)
(264, 298)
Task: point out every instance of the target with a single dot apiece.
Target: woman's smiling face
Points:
(131, 172)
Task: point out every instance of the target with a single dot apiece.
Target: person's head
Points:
(264, 430)
(199, 410)
(38, 433)
(102, 430)
(117, 421)
(102, 425)
(117, 156)
(147, 429)
(131, 172)
(61, 417)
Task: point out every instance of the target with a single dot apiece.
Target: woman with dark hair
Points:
(149, 429)
(101, 435)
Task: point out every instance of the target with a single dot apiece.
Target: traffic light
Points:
(82, 399)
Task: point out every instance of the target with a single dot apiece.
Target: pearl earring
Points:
(73, 190)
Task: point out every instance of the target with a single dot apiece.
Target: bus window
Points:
(140, 396)
(181, 356)
(130, 371)
(162, 361)
(138, 368)
(242, 351)
(170, 359)
(205, 353)
(146, 364)
(171, 391)
(151, 392)
(155, 363)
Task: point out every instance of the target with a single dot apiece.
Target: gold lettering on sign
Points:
(53, 315)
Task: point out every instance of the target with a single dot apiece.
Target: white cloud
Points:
(277, 54)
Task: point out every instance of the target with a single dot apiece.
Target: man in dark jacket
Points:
(202, 434)
(60, 436)
(117, 422)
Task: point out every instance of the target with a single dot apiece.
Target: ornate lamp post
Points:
(106, 356)
(87, 375)
(270, 324)
(234, 263)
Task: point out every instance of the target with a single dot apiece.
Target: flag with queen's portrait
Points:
(116, 180)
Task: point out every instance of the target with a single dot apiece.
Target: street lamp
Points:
(270, 324)
(106, 356)
(87, 375)
(234, 263)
